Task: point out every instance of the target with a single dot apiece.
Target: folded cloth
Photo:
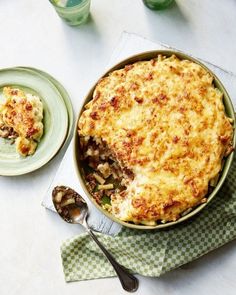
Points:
(152, 253)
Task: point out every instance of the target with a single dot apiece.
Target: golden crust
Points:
(165, 121)
(22, 115)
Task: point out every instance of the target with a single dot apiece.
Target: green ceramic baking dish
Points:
(228, 109)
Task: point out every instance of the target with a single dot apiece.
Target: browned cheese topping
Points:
(164, 121)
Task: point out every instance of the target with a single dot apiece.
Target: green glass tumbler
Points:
(157, 4)
(74, 12)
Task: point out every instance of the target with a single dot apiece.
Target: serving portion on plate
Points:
(34, 120)
(153, 136)
(64, 94)
(21, 116)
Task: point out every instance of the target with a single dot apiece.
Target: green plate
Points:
(55, 122)
(64, 95)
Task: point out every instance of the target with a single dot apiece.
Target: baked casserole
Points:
(21, 116)
(153, 139)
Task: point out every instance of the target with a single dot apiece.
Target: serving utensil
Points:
(73, 209)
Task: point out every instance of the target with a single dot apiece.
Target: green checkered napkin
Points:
(154, 253)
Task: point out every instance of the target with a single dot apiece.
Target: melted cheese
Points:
(165, 121)
(23, 112)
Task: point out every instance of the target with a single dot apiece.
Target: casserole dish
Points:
(147, 56)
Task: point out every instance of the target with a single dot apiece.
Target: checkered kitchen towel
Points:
(152, 253)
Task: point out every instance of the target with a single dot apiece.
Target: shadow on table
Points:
(80, 38)
(172, 19)
(173, 12)
(78, 48)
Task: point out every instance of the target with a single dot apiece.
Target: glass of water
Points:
(157, 4)
(74, 12)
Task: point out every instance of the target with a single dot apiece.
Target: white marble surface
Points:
(32, 34)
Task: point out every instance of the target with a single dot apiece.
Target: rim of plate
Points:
(55, 122)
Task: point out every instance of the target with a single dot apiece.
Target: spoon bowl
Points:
(69, 205)
(73, 209)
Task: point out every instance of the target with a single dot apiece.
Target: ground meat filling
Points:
(8, 132)
(104, 176)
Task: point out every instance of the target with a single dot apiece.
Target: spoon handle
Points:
(128, 281)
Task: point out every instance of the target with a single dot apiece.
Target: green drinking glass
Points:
(157, 4)
(74, 12)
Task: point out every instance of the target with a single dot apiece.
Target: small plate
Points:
(55, 122)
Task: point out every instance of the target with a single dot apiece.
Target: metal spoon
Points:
(73, 209)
